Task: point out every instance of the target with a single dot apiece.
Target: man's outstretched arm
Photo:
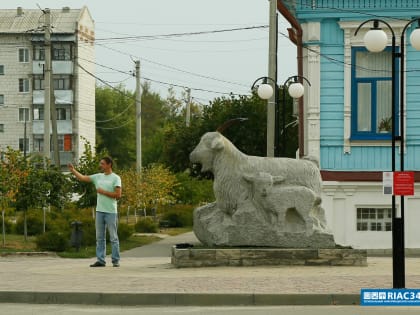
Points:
(78, 175)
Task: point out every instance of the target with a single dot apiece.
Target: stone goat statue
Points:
(255, 197)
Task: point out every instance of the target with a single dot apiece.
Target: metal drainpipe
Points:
(295, 35)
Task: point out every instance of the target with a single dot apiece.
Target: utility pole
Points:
(272, 73)
(138, 117)
(188, 108)
(47, 84)
(24, 136)
(53, 112)
(56, 151)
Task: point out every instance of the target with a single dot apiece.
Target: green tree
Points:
(248, 136)
(154, 186)
(38, 189)
(116, 124)
(13, 171)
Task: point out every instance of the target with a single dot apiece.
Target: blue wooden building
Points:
(346, 113)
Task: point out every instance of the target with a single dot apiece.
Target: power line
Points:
(152, 37)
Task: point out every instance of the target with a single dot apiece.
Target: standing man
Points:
(108, 188)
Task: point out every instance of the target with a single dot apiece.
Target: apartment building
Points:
(22, 76)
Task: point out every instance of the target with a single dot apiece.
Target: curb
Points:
(177, 299)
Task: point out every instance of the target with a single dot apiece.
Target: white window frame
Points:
(23, 85)
(1, 99)
(24, 56)
(1, 69)
(349, 27)
(39, 53)
(1, 127)
(369, 218)
(38, 143)
(23, 112)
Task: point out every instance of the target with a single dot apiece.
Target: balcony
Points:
(62, 97)
(63, 127)
(58, 67)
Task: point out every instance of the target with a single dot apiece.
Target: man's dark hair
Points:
(108, 160)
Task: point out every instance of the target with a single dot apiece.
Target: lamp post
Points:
(265, 91)
(375, 41)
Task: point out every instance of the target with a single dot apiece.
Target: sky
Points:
(212, 64)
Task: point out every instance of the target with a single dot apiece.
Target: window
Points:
(1, 69)
(371, 94)
(1, 127)
(61, 52)
(24, 145)
(61, 113)
(60, 140)
(23, 55)
(39, 83)
(62, 83)
(38, 143)
(39, 113)
(39, 53)
(23, 114)
(374, 219)
(1, 99)
(23, 85)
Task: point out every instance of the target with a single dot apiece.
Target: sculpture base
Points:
(201, 257)
(247, 227)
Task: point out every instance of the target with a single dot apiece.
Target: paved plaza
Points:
(146, 277)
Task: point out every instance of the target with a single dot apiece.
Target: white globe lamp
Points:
(415, 38)
(296, 90)
(265, 91)
(375, 40)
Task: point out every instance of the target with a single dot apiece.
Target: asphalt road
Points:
(39, 309)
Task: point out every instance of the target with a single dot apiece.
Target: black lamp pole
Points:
(296, 79)
(398, 244)
(276, 111)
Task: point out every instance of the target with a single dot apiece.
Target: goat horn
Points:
(229, 123)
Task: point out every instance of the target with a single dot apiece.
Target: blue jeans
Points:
(110, 220)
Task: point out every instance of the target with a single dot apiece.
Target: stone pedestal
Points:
(248, 227)
(201, 257)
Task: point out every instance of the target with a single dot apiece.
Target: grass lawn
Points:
(175, 231)
(16, 243)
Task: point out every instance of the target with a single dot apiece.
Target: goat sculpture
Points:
(246, 214)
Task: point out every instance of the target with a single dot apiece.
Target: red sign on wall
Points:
(404, 183)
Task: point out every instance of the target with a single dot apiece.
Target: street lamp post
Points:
(375, 41)
(296, 90)
(265, 91)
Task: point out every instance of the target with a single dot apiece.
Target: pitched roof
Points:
(32, 20)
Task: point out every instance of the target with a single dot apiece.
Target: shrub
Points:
(9, 226)
(34, 222)
(146, 225)
(53, 241)
(192, 190)
(178, 215)
(89, 232)
(124, 231)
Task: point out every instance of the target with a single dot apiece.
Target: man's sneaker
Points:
(115, 264)
(98, 264)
